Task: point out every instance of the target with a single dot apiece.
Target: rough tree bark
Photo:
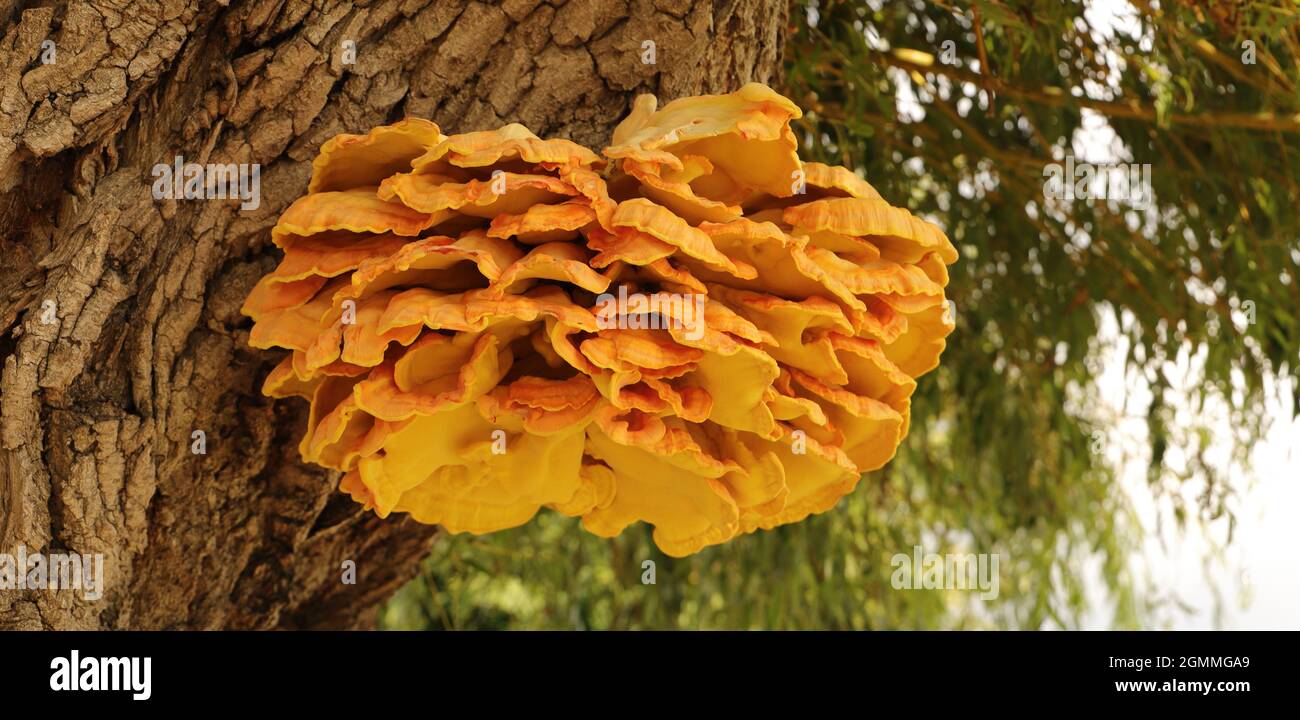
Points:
(120, 330)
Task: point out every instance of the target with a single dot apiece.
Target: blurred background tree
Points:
(957, 110)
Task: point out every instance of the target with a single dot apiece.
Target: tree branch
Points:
(919, 61)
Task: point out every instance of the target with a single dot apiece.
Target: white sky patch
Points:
(1113, 23)
(909, 107)
(1096, 141)
(1255, 582)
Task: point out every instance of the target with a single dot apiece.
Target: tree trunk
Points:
(120, 330)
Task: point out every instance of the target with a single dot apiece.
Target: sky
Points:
(1257, 576)
(1201, 581)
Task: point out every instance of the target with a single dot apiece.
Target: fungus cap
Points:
(704, 333)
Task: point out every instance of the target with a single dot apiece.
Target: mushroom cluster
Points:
(693, 329)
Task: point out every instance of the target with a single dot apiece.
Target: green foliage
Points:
(1000, 456)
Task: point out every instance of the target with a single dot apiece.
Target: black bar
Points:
(657, 669)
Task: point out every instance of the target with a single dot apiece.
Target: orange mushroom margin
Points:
(693, 329)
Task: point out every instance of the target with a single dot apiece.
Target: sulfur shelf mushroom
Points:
(693, 328)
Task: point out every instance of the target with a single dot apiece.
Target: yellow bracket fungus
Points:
(693, 329)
